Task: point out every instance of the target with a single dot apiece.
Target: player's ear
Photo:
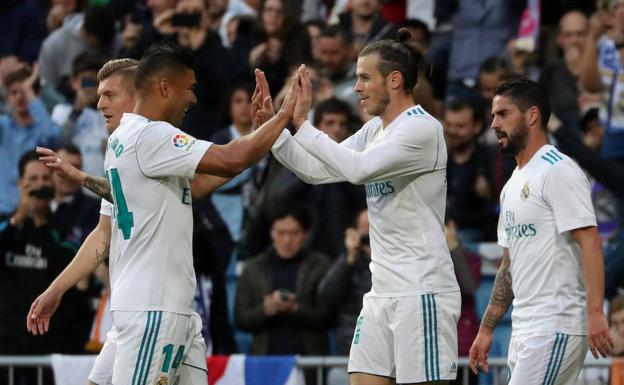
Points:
(164, 88)
(395, 80)
(533, 116)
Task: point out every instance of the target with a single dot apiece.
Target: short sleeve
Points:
(568, 192)
(106, 208)
(163, 150)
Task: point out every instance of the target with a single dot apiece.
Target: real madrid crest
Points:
(524, 193)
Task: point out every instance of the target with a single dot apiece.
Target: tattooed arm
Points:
(502, 295)
(100, 186)
(93, 251)
(66, 170)
(500, 300)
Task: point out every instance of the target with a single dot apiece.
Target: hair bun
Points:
(403, 35)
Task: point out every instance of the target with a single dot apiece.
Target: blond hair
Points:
(127, 66)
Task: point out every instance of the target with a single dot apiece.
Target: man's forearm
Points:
(100, 186)
(502, 296)
(593, 269)
(93, 251)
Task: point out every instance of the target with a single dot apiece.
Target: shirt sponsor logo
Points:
(515, 230)
(183, 142)
(32, 259)
(378, 189)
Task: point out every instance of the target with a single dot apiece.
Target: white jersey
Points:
(540, 204)
(148, 165)
(403, 168)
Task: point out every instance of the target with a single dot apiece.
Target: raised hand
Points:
(261, 102)
(304, 99)
(64, 169)
(292, 95)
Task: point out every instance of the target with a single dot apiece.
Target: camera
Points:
(45, 192)
(284, 294)
(186, 19)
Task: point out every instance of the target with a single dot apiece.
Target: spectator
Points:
(600, 73)
(60, 9)
(364, 24)
(478, 35)
(561, 78)
(22, 28)
(616, 323)
(80, 122)
(32, 256)
(277, 293)
(74, 214)
(229, 198)
(280, 42)
(334, 54)
(469, 178)
(347, 281)
(213, 76)
(28, 125)
(93, 30)
(314, 29)
(335, 204)
(468, 273)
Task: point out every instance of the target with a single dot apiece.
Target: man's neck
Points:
(23, 119)
(150, 111)
(393, 110)
(533, 145)
(362, 25)
(461, 156)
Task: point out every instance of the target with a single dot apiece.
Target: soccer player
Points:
(156, 337)
(407, 329)
(552, 268)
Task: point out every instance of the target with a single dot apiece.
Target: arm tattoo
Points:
(502, 295)
(101, 255)
(100, 186)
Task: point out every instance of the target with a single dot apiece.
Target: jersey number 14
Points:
(125, 219)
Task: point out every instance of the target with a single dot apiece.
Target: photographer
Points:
(31, 255)
(277, 295)
(347, 281)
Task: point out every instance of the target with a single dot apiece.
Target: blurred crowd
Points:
(298, 253)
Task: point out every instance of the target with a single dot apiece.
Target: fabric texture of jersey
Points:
(412, 339)
(540, 204)
(403, 168)
(546, 358)
(148, 165)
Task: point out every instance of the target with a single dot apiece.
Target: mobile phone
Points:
(186, 19)
(284, 294)
(88, 82)
(45, 192)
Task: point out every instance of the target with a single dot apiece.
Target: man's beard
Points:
(516, 142)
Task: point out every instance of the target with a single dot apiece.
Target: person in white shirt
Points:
(407, 329)
(552, 268)
(157, 337)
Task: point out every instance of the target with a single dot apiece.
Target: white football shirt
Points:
(148, 165)
(403, 168)
(540, 204)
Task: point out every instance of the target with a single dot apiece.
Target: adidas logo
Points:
(453, 368)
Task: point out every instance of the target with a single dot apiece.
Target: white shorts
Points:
(545, 358)
(152, 348)
(412, 339)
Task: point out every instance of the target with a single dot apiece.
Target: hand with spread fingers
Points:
(261, 102)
